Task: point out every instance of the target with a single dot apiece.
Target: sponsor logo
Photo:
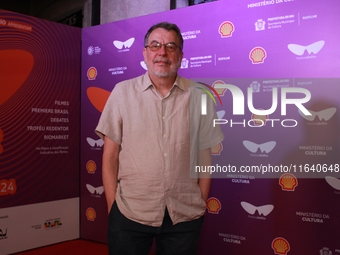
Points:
(264, 147)
(299, 50)
(90, 214)
(3, 234)
(257, 55)
(91, 167)
(280, 246)
(333, 182)
(325, 251)
(288, 182)
(261, 210)
(51, 224)
(260, 25)
(142, 64)
(213, 205)
(91, 73)
(184, 63)
(226, 29)
(95, 143)
(220, 91)
(91, 50)
(255, 86)
(325, 115)
(95, 191)
(127, 44)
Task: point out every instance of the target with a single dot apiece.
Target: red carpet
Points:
(74, 247)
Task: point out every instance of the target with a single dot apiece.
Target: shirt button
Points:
(163, 117)
(165, 154)
(164, 136)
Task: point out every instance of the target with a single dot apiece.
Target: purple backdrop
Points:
(263, 45)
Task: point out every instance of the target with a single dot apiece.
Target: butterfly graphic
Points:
(311, 48)
(142, 64)
(99, 190)
(264, 147)
(325, 114)
(262, 210)
(127, 44)
(334, 182)
(92, 142)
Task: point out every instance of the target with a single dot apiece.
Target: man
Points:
(153, 135)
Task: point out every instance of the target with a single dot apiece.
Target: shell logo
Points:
(90, 214)
(259, 120)
(220, 91)
(280, 246)
(257, 55)
(288, 182)
(216, 150)
(213, 205)
(92, 73)
(91, 167)
(1, 139)
(226, 29)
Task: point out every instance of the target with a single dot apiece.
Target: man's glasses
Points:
(156, 46)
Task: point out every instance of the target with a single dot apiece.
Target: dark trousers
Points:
(127, 237)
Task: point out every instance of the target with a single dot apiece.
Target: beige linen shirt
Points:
(160, 138)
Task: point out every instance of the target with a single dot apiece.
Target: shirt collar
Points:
(146, 83)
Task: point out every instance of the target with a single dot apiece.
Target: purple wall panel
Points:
(247, 213)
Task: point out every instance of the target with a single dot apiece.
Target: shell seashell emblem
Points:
(91, 167)
(92, 73)
(219, 91)
(280, 246)
(213, 205)
(257, 55)
(288, 182)
(90, 214)
(216, 150)
(226, 29)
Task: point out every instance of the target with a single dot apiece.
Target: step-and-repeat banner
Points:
(39, 132)
(275, 66)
